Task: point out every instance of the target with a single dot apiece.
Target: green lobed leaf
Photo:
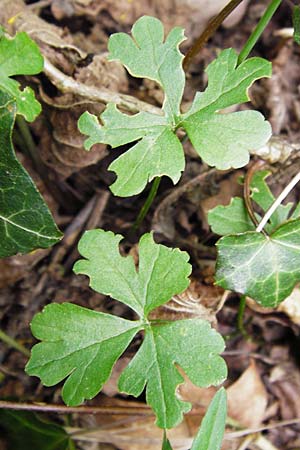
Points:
(146, 55)
(25, 431)
(83, 345)
(158, 153)
(20, 55)
(265, 268)
(153, 366)
(210, 434)
(80, 344)
(25, 220)
(296, 23)
(162, 273)
(224, 140)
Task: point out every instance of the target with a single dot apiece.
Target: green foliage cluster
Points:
(81, 346)
(221, 140)
(25, 220)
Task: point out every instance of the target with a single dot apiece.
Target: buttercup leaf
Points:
(80, 344)
(224, 140)
(158, 153)
(83, 345)
(154, 365)
(162, 272)
(25, 220)
(265, 268)
(20, 55)
(145, 55)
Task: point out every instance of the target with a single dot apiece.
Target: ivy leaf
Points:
(296, 23)
(158, 153)
(210, 434)
(25, 220)
(25, 431)
(224, 140)
(230, 219)
(234, 218)
(145, 55)
(20, 55)
(83, 345)
(265, 268)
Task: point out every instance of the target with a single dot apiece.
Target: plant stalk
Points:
(258, 30)
(277, 202)
(13, 343)
(212, 26)
(145, 208)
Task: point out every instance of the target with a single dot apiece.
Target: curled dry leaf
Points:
(247, 398)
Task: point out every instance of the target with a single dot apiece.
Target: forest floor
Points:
(264, 362)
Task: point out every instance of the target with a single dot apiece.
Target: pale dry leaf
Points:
(247, 398)
(291, 306)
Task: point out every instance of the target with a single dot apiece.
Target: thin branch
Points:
(283, 423)
(67, 84)
(13, 343)
(62, 409)
(278, 201)
(211, 28)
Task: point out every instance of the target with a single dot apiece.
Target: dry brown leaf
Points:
(285, 385)
(247, 398)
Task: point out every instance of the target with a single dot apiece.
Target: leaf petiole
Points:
(147, 205)
(258, 30)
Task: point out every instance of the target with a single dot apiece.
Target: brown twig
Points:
(247, 190)
(67, 84)
(142, 410)
(212, 26)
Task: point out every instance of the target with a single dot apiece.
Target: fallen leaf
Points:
(247, 398)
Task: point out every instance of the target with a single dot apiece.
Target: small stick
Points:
(277, 202)
(67, 84)
(212, 26)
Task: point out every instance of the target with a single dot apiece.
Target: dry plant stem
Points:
(67, 84)
(247, 190)
(61, 409)
(211, 28)
(277, 202)
(240, 433)
(13, 343)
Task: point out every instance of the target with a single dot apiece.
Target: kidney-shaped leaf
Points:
(264, 267)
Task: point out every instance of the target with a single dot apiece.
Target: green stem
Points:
(259, 29)
(240, 318)
(147, 204)
(13, 343)
(29, 144)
